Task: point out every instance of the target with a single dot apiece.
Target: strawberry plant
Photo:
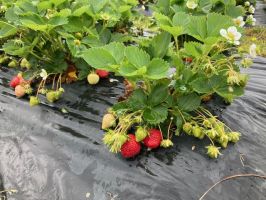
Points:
(172, 74)
(174, 57)
(49, 36)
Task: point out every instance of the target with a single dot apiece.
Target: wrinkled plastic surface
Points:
(48, 155)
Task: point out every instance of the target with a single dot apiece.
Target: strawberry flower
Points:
(231, 34)
(43, 74)
(191, 4)
(239, 21)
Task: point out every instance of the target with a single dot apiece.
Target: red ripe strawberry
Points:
(153, 140)
(131, 147)
(14, 82)
(102, 73)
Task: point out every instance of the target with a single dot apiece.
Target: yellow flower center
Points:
(238, 22)
(231, 35)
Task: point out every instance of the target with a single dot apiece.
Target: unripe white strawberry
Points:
(108, 121)
(93, 78)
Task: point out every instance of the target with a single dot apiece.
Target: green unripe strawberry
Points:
(246, 62)
(3, 9)
(28, 90)
(207, 123)
(234, 136)
(77, 42)
(141, 133)
(212, 120)
(223, 140)
(108, 138)
(34, 101)
(196, 131)
(202, 135)
(243, 79)
(78, 35)
(118, 141)
(219, 128)
(213, 151)
(25, 63)
(51, 96)
(4, 59)
(93, 78)
(187, 127)
(43, 91)
(211, 133)
(58, 95)
(61, 90)
(13, 64)
(166, 143)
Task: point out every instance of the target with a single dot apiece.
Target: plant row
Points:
(174, 55)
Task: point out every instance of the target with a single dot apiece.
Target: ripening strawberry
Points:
(15, 81)
(93, 78)
(188, 59)
(131, 147)
(19, 91)
(102, 73)
(153, 140)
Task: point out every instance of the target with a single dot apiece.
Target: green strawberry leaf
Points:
(99, 58)
(158, 95)
(155, 115)
(136, 56)
(157, 69)
(189, 102)
(138, 100)
(202, 85)
(178, 121)
(173, 30)
(162, 19)
(159, 45)
(7, 30)
(117, 50)
(193, 49)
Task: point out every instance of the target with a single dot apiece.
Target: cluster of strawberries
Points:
(20, 85)
(132, 147)
(94, 77)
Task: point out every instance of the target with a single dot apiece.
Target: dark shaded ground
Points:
(48, 155)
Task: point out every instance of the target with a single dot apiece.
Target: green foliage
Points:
(40, 29)
(173, 59)
(130, 62)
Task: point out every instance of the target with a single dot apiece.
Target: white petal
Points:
(240, 18)
(223, 33)
(236, 42)
(238, 36)
(232, 29)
